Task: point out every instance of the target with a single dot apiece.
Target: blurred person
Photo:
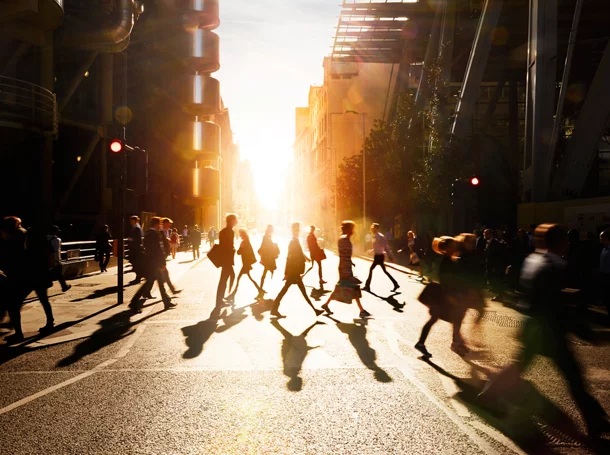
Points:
(226, 245)
(211, 236)
(380, 249)
(348, 287)
(174, 242)
(186, 238)
(545, 331)
(495, 265)
(165, 235)
(519, 251)
(135, 248)
(295, 267)
(248, 259)
(40, 261)
(316, 253)
(56, 270)
(154, 263)
(269, 252)
(445, 303)
(103, 248)
(604, 269)
(195, 238)
(532, 237)
(416, 252)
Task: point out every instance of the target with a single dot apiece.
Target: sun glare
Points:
(270, 177)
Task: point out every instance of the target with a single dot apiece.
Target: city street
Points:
(185, 382)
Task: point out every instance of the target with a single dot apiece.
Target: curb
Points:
(44, 341)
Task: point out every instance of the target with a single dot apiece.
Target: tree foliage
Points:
(400, 177)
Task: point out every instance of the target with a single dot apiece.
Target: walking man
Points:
(317, 254)
(186, 237)
(165, 234)
(295, 267)
(135, 248)
(211, 236)
(227, 249)
(546, 331)
(154, 260)
(195, 238)
(56, 272)
(380, 248)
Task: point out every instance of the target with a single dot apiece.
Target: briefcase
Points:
(215, 255)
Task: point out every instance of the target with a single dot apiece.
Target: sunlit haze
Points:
(271, 52)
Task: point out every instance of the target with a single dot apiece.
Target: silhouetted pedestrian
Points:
(154, 263)
(195, 235)
(174, 242)
(380, 249)
(495, 265)
(56, 269)
(545, 332)
(447, 303)
(269, 252)
(135, 248)
(103, 248)
(348, 287)
(295, 267)
(316, 253)
(165, 234)
(248, 259)
(226, 239)
(211, 236)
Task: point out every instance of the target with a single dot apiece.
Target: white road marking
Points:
(392, 337)
(122, 353)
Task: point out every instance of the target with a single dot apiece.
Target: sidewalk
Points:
(93, 297)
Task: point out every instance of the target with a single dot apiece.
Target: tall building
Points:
(76, 75)
(339, 115)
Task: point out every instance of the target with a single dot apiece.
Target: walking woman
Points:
(174, 242)
(102, 248)
(446, 303)
(348, 287)
(248, 259)
(269, 252)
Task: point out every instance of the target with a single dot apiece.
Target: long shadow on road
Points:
(356, 333)
(198, 335)
(294, 351)
(112, 329)
(531, 420)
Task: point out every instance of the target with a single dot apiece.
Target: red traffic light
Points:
(474, 181)
(116, 146)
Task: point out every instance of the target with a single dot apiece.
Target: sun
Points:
(270, 180)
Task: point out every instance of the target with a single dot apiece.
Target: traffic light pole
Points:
(121, 239)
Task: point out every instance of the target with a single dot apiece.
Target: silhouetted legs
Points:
(379, 260)
(226, 273)
(289, 282)
(243, 272)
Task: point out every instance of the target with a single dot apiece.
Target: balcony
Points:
(28, 106)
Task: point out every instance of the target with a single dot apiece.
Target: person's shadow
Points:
(112, 329)
(356, 333)
(294, 351)
(196, 336)
(531, 420)
(317, 294)
(391, 300)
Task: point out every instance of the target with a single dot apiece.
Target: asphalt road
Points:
(180, 382)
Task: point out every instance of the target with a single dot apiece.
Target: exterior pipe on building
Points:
(103, 39)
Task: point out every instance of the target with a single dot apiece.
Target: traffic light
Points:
(116, 146)
(474, 181)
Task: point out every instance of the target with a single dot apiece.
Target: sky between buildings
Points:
(271, 52)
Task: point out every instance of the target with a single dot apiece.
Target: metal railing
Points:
(28, 104)
(73, 252)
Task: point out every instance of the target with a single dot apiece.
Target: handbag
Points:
(432, 295)
(215, 255)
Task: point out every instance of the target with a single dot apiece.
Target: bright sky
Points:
(271, 52)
